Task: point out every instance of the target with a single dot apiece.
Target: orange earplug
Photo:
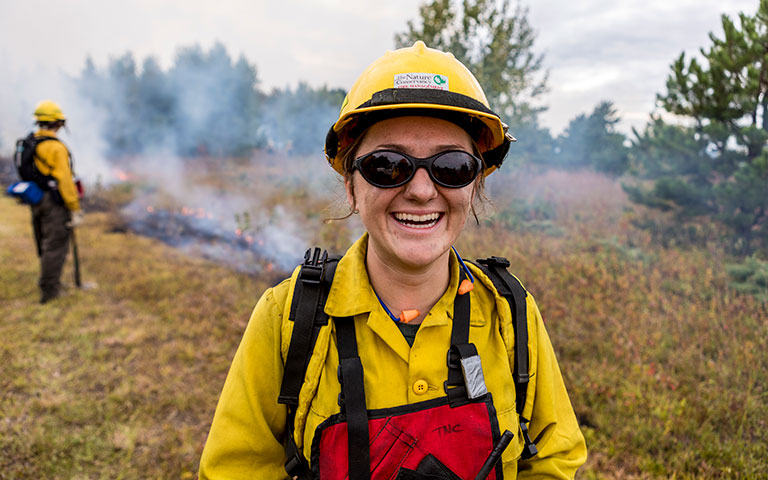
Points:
(466, 286)
(407, 316)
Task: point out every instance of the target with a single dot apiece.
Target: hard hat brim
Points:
(49, 119)
(395, 102)
(494, 137)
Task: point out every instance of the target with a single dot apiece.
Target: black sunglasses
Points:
(390, 169)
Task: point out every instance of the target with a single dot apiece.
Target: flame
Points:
(238, 232)
(122, 175)
(198, 212)
(150, 209)
(270, 267)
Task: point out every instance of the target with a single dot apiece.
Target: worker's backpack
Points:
(24, 160)
(307, 312)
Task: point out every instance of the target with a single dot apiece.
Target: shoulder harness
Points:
(25, 161)
(307, 312)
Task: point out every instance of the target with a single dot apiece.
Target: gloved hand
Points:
(77, 219)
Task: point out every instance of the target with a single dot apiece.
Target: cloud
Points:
(329, 42)
(619, 51)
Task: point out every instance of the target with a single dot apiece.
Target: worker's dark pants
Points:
(49, 220)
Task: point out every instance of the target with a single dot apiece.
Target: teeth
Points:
(418, 221)
(417, 218)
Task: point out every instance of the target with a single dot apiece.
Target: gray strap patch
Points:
(473, 377)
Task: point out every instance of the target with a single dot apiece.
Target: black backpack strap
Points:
(513, 292)
(36, 141)
(465, 373)
(309, 295)
(352, 400)
(28, 171)
(308, 316)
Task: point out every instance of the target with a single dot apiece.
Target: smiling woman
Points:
(372, 395)
(411, 227)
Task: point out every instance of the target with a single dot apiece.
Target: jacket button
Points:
(420, 387)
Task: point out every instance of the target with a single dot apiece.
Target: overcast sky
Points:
(618, 50)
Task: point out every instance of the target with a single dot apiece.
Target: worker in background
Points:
(59, 210)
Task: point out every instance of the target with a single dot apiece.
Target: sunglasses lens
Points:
(386, 169)
(455, 169)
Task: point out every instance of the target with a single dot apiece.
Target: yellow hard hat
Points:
(49, 111)
(424, 81)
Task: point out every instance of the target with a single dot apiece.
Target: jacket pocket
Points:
(390, 447)
(508, 420)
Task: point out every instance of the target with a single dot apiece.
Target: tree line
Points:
(709, 163)
(206, 103)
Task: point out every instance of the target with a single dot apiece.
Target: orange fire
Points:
(122, 175)
(196, 212)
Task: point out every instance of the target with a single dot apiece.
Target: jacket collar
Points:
(352, 294)
(42, 132)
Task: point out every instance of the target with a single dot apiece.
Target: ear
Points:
(349, 188)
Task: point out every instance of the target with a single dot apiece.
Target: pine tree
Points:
(592, 141)
(495, 41)
(716, 165)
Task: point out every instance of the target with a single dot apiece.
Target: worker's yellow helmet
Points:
(424, 81)
(49, 111)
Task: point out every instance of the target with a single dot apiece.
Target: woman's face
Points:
(413, 225)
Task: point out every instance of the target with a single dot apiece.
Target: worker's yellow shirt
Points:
(52, 158)
(248, 431)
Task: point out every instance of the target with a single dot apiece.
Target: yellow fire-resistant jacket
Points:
(248, 430)
(52, 158)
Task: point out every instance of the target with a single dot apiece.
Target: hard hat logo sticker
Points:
(421, 80)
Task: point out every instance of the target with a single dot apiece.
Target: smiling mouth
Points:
(417, 221)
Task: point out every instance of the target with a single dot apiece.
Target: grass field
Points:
(666, 366)
(119, 381)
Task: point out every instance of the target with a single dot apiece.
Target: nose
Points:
(421, 188)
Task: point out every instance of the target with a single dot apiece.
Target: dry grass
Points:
(665, 365)
(120, 381)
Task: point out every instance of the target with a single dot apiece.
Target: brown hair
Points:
(347, 157)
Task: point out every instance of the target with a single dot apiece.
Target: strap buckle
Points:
(454, 385)
(453, 361)
(295, 465)
(494, 261)
(529, 450)
(312, 269)
(450, 358)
